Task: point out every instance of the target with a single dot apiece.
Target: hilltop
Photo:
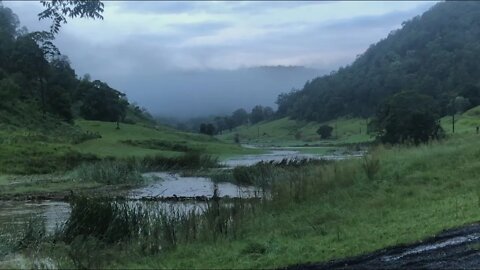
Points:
(435, 54)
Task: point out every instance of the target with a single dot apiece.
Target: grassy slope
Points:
(282, 132)
(464, 123)
(46, 147)
(111, 142)
(416, 193)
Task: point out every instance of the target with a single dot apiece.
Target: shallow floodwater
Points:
(279, 155)
(171, 185)
(18, 212)
(164, 185)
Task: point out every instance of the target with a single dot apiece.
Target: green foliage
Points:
(34, 73)
(207, 129)
(33, 233)
(101, 102)
(434, 54)
(148, 228)
(109, 172)
(325, 131)
(371, 166)
(58, 11)
(408, 117)
(189, 160)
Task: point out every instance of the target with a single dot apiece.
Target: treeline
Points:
(239, 117)
(35, 73)
(435, 55)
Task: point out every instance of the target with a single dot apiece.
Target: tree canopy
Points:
(34, 72)
(435, 54)
(408, 117)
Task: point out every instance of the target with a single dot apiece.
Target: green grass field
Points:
(54, 151)
(416, 193)
(112, 141)
(287, 132)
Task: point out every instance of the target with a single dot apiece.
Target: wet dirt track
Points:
(453, 249)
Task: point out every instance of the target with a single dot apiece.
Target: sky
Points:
(190, 59)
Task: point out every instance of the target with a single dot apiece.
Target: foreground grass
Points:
(287, 132)
(416, 193)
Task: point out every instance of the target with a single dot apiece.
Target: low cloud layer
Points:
(174, 57)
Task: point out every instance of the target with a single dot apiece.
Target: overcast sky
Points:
(147, 49)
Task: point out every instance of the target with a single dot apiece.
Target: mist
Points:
(186, 94)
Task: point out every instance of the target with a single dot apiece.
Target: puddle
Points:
(424, 248)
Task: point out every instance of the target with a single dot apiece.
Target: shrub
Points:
(325, 131)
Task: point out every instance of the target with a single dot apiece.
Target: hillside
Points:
(465, 123)
(436, 54)
(288, 132)
(138, 140)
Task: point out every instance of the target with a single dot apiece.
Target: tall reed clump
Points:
(371, 166)
(110, 172)
(152, 226)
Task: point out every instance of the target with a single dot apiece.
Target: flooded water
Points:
(164, 185)
(171, 185)
(18, 212)
(279, 155)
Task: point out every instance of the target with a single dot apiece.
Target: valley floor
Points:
(393, 196)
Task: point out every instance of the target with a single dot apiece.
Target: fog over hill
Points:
(207, 92)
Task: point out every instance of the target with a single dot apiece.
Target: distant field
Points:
(113, 143)
(287, 132)
(56, 148)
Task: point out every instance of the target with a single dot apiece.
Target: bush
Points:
(325, 131)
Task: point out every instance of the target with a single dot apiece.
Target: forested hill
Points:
(37, 82)
(436, 54)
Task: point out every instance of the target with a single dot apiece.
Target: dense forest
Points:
(36, 78)
(435, 54)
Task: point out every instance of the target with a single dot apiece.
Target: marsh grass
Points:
(189, 160)
(110, 172)
(152, 228)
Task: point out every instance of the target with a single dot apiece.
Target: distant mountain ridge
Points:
(436, 54)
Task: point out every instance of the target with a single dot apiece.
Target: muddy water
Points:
(164, 185)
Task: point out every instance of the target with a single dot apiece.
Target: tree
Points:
(59, 10)
(325, 131)
(239, 117)
(408, 117)
(268, 113)
(207, 129)
(257, 114)
(103, 103)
